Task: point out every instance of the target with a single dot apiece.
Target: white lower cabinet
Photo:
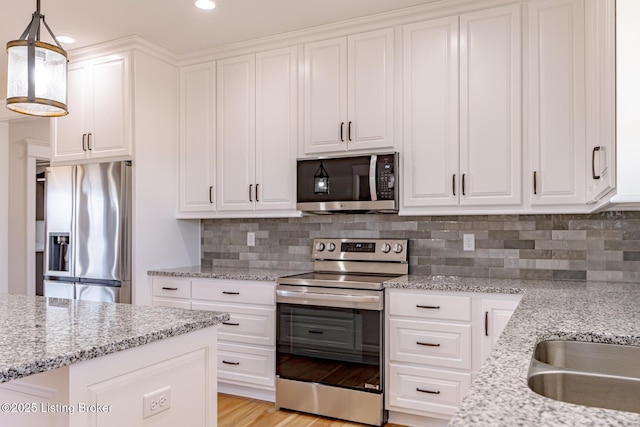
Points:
(436, 342)
(246, 342)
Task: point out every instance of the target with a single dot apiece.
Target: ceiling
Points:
(177, 25)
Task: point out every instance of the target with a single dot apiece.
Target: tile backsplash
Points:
(604, 247)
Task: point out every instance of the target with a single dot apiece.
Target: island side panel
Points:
(109, 391)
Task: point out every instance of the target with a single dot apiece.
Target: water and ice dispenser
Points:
(58, 252)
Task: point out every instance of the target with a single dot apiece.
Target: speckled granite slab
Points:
(223, 273)
(38, 334)
(585, 311)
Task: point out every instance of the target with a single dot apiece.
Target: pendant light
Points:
(37, 72)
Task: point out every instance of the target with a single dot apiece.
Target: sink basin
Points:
(602, 391)
(586, 373)
(609, 359)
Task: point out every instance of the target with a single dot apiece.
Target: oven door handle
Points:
(334, 297)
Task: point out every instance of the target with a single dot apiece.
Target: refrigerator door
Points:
(101, 208)
(59, 242)
(97, 292)
(59, 289)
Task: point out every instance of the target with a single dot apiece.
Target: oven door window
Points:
(332, 346)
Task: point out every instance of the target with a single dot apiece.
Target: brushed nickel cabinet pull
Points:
(593, 163)
(250, 190)
(231, 323)
(427, 344)
(349, 132)
(230, 293)
(84, 142)
(230, 363)
(431, 307)
(427, 391)
(486, 323)
(342, 131)
(89, 142)
(166, 288)
(463, 185)
(257, 199)
(535, 182)
(211, 194)
(453, 184)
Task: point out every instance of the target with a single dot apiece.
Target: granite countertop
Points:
(584, 311)
(228, 273)
(39, 334)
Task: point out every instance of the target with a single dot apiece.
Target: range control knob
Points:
(319, 246)
(385, 248)
(397, 248)
(331, 247)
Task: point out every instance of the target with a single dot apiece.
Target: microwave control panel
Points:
(386, 178)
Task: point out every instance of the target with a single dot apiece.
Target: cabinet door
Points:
(370, 83)
(276, 129)
(197, 137)
(325, 96)
(490, 107)
(496, 315)
(235, 142)
(67, 131)
(556, 102)
(430, 153)
(109, 115)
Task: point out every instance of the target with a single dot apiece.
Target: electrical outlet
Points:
(156, 402)
(468, 242)
(251, 238)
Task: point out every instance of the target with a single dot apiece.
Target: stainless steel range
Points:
(330, 326)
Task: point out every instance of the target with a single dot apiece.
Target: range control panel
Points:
(395, 250)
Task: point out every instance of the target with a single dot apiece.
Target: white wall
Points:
(4, 207)
(19, 132)
(159, 240)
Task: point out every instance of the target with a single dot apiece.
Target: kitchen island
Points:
(82, 363)
(566, 310)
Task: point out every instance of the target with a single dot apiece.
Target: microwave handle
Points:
(373, 181)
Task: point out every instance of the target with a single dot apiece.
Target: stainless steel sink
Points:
(585, 373)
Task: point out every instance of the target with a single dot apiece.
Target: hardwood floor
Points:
(236, 411)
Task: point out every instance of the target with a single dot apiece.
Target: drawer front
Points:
(172, 302)
(429, 390)
(249, 365)
(172, 288)
(437, 344)
(429, 306)
(246, 325)
(235, 291)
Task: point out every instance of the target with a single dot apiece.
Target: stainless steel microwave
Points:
(363, 183)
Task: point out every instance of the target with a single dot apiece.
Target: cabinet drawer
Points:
(429, 306)
(250, 325)
(437, 344)
(424, 389)
(172, 288)
(246, 364)
(234, 291)
(172, 302)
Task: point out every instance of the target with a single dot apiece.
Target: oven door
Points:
(330, 336)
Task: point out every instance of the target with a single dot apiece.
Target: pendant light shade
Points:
(37, 73)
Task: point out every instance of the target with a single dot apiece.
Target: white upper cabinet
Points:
(99, 122)
(257, 132)
(556, 102)
(490, 107)
(462, 108)
(349, 93)
(197, 137)
(236, 139)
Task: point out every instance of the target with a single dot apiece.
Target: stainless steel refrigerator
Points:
(88, 232)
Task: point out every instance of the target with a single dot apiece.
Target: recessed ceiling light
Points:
(65, 39)
(205, 4)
